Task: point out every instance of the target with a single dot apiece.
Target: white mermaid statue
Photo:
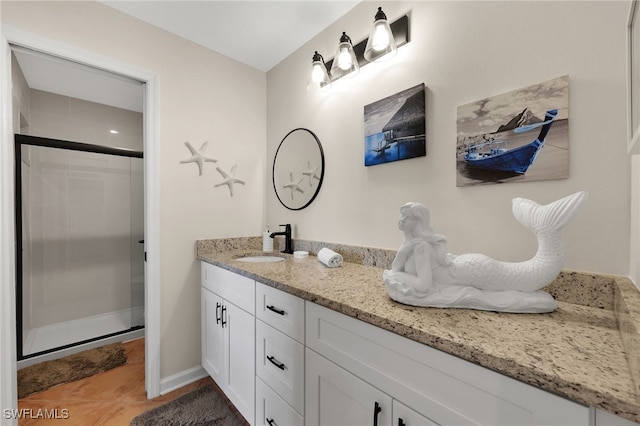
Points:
(423, 273)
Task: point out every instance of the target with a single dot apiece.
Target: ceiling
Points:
(55, 75)
(259, 33)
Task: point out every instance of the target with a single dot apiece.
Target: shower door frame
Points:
(27, 140)
(8, 363)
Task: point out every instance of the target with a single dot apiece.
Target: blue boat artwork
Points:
(496, 155)
(395, 127)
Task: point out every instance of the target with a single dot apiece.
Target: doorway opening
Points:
(13, 38)
(79, 206)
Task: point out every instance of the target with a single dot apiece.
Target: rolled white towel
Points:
(329, 257)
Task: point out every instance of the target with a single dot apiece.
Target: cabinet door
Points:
(405, 416)
(212, 335)
(335, 397)
(240, 359)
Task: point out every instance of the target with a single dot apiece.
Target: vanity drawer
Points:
(280, 363)
(232, 287)
(273, 410)
(281, 310)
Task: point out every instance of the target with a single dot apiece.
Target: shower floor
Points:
(70, 332)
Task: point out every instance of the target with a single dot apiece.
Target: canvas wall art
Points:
(394, 127)
(518, 136)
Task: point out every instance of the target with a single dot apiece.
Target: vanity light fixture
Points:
(319, 78)
(381, 44)
(345, 63)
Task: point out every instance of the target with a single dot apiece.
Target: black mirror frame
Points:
(273, 169)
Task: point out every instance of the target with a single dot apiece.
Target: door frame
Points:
(8, 364)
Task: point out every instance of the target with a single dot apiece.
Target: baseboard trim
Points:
(183, 378)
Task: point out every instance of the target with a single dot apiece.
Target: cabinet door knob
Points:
(401, 422)
(218, 306)
(277, 363)
(271, 422)
(224, 316)
(376, 411)
(276, 310)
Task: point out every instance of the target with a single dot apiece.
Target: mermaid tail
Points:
(546, 221)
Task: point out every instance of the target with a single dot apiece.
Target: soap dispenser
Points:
(267, 241)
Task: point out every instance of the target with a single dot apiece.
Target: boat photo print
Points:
(522, 135)
(495, 155)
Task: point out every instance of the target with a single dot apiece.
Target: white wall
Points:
(466, 51)
(202, 96)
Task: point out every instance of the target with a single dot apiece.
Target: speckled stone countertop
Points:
(587, 350)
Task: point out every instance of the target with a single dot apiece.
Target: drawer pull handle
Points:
(224, 316)
(271, 422)
(376, 411)
(401, 422)
(277, 363)
(276, 310)
(218, 306)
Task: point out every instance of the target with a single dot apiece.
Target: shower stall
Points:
(80, 244)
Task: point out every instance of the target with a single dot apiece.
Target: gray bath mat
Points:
(47, 374)
(201, 407)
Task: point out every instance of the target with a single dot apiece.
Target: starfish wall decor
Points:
(198, 156)
(229, 179)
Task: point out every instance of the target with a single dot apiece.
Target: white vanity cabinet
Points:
(228, 335)
(348, 359)
(285, 361)
(279, 357)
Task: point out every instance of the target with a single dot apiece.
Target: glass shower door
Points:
(81, 268)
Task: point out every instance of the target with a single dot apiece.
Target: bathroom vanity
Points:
(326, 346)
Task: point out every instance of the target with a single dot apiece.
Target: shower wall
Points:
(65, 118)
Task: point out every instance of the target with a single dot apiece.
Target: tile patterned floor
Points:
(111, 398)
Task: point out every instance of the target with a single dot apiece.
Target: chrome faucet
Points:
(288, 246)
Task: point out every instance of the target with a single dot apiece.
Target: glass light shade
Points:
(345, 63)
(319, 78)
(381, 44)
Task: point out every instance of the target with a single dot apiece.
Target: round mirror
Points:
(298, 169)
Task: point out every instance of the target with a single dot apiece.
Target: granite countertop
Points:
(578, 351)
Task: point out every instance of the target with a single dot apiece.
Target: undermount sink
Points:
(258, 259)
